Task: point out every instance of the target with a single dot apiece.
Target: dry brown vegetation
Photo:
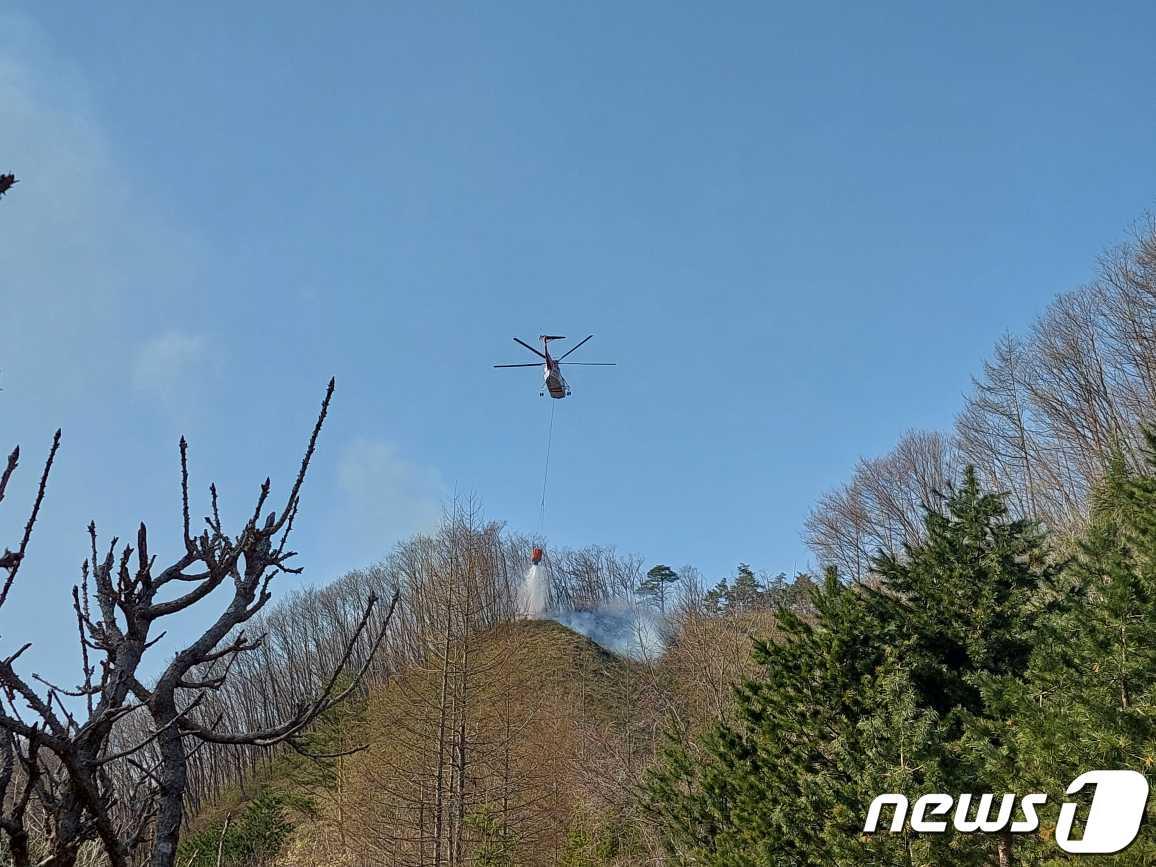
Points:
(494, 740)
(539, 737)
(540, 762)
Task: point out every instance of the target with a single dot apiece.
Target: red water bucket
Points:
(536, 556)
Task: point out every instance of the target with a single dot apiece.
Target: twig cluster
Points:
(58, 754)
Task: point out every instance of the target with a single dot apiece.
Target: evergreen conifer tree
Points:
(1089, 698)
(876, 690)
(657, 584)
(767, 788)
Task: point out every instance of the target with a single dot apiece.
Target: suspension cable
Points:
(546, 472)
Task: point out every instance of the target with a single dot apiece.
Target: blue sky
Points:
(798, 229)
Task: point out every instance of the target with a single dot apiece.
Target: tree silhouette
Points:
(61, 765)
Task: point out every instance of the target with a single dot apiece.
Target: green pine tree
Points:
(963, 608)
(896, 749)
(714, 600)
(657, 584)
(874, 690)
(1089, 698)
(767, 788)
(747, 594)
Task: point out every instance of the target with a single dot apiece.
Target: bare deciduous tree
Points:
(59, 754)
(882, 507)
(1045, 417)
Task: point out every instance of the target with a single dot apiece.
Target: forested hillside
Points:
(985, 624)
(982, 620)
(480, 737)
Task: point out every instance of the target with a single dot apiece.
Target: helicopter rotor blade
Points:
(529, 347)
(575, 346)
(532, 364)
(591, 363)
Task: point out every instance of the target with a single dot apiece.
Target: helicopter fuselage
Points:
(555, 382)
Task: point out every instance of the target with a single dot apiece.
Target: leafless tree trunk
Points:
(1004, 849)
(88, 779)
(443, 719)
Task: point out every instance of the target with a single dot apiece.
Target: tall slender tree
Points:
(658, 584)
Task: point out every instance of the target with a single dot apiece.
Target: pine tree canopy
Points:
(877, 689)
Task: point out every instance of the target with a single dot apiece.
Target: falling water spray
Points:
(534, 592)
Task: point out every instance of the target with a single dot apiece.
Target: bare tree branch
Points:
(67, 763)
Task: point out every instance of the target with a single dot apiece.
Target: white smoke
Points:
(534, 592)
(617, 625)
(629, 630)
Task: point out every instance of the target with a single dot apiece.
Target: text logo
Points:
(1112, 822)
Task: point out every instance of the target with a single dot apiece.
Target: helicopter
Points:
(555, 383)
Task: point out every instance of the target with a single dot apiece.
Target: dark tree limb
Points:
(64, 762)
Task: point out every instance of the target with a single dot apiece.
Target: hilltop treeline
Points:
(987, 622)
(1047, 413)
(307, 631)
(973, 663)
